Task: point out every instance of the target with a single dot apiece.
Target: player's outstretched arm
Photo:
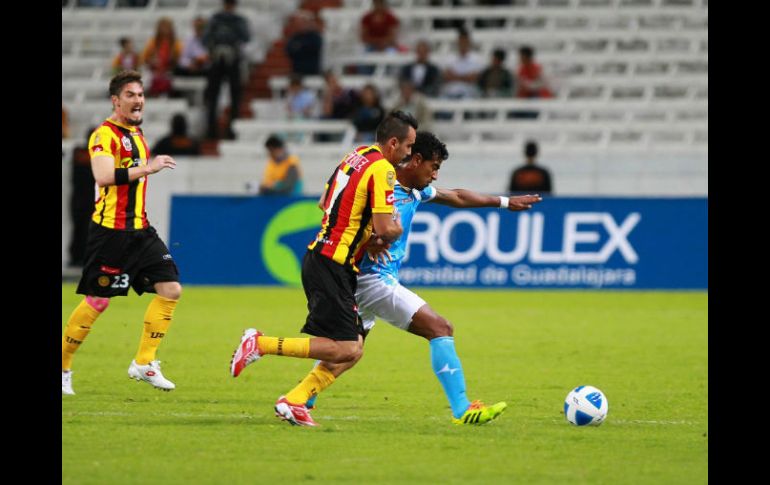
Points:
(467, 198)
(105, 173)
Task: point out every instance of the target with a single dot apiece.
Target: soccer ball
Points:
(585, 405)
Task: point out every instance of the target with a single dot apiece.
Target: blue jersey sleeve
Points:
(427, 194)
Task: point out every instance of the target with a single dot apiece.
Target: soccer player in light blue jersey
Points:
(379, 293)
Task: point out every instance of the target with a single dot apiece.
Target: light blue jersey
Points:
(406, 202)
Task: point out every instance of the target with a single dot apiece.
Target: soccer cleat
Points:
(295, 414)
(66, 382)
(478, 413)
(246, 353)
(150, 373)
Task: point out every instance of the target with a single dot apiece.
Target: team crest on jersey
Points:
(97, 139)
(126, 141)
(391, 179)
(103, 280)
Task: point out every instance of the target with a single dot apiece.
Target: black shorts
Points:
(330, 289)
(118, 259)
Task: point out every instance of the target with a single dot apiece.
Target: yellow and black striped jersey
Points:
(121, 206)
(360, 186)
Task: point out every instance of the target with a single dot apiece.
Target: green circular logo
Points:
(278, 258)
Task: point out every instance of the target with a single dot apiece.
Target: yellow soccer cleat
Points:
(478, 413)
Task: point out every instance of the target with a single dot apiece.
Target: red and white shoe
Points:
(246, 353)
(296, 414)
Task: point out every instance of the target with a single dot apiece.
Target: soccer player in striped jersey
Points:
(358, 199)
(123, 249)
(381, 295)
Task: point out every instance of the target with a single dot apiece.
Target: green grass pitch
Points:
(387, 420)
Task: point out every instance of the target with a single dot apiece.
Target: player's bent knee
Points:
(440, 327)
(349, 352)
(170, 289)
(447, 327)
(98, 303)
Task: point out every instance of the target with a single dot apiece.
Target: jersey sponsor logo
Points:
(389, 197)
(126, 141)
(109, 269)
(98, 148)
(166, 257)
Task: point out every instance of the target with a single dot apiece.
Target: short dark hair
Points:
(530, 148)
(122, 78)
(274, 141)
(499, 54)
(429, 146)
(397, 124)
(527, 51)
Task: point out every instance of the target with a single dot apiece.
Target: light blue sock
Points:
(449, 371)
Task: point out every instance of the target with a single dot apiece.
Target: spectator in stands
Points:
(368, 115)
(283, 174)
(178, 142)
(530, 178)
(337, 103)
(425, 75)
(81, 200)
(304, 46)
(379, 28)
(496, 80)
(461, 75)
(224, 37)
(301, 102)
(413, 102)
(65, 124)
(530, 81)
(194, 60)
(161, 55)
(127, 59)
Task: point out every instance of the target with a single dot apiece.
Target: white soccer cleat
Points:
(150, 373)
(66, 382)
